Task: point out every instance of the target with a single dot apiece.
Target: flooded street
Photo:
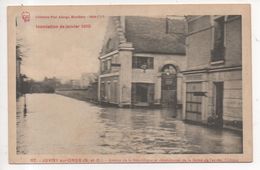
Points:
(55, 124)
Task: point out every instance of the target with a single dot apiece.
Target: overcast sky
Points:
(63, 53)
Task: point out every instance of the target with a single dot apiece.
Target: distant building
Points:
(86, 79)
(75, 84)
(141, 61)
(213, 79)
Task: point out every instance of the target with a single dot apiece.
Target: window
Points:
(109, 45)
(108, 90)
(193, 101)
(218, 52)
(114, 91)
(115, 59)
(140, 62)
(102, 91)
(106, 65)
(102, 66)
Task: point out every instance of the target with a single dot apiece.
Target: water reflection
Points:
(60, 125)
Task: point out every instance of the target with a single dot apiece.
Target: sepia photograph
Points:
(102, 84)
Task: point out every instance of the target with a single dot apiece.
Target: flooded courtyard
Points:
(55, 124)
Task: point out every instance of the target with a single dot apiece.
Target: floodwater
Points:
(55, 124)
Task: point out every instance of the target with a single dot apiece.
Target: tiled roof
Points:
(155, 35)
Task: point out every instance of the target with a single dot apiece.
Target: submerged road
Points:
(55, 124)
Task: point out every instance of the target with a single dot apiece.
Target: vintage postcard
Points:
(130, 84)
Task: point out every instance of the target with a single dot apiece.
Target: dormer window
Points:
(109, 44)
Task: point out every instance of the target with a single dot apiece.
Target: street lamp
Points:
(25, 107)
(25, 78)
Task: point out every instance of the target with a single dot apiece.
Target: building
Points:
(86, 79)
(213, 80)
(141, 61)
(75, 84)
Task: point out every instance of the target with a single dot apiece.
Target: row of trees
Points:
(48, 85)
(24, 84)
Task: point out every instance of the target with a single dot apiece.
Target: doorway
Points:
(169, 86)
(219, 91)
(142, 94)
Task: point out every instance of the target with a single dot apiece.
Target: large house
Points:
(141, 61)
(213, 80)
